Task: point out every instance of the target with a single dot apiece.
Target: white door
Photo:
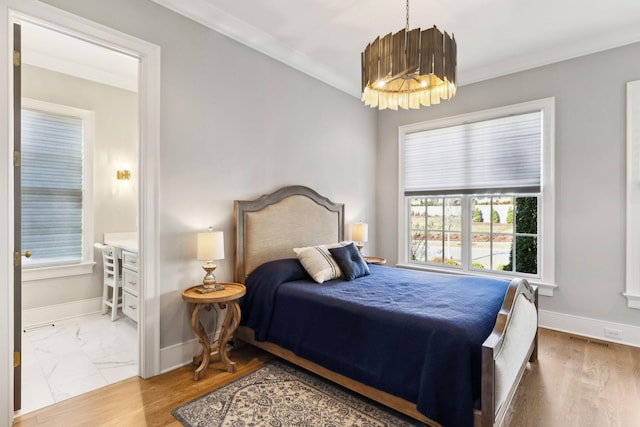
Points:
(17, 246)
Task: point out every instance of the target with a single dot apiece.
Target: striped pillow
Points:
(318, 261)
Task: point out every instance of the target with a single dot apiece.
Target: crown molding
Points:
(218, 20)
(559, 53)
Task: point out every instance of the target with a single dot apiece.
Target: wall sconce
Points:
(210, 248)
(124, 175)
(360, 234)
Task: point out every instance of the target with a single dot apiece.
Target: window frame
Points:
(546, 208)
(85, 266)
(632, 269)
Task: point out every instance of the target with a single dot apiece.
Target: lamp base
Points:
(203, 290)
(209, 283)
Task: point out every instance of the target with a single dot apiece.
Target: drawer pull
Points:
(132, 283)
(132, 307)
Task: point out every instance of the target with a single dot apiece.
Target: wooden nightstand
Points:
(226, 298)
(375, 260)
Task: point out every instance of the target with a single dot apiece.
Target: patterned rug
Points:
(280, 395)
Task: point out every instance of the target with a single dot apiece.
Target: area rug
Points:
(281, 395)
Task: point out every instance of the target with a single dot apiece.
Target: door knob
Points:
(16, 257)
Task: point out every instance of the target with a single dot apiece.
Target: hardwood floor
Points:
(138, 402)
(576, 382)
(579, 382)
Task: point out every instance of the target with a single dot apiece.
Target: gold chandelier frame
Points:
(409, 68)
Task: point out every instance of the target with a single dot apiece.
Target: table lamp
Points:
(210, 248)
(360, 235)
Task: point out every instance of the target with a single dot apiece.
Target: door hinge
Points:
(16, 58)
(16, 259)
(16, 158)
(16, 359)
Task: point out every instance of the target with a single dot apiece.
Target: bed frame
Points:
(269, 227)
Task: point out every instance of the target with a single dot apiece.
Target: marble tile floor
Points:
(75, 356)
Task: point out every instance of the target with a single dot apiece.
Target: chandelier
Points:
(409, 68)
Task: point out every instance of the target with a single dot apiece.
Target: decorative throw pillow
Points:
(318, 262)
(350, 261)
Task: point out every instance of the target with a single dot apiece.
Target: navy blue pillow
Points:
(350, 261)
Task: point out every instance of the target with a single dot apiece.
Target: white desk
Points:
(126, 245)
(127, 241)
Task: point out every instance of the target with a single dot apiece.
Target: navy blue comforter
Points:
(413, 334)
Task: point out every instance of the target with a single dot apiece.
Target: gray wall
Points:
(235, 124)
(115, 143)
(590, 172)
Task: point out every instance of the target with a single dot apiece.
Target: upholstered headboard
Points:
(269, 227)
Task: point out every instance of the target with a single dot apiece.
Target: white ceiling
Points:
(324, 38)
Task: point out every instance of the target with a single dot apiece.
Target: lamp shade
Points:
(360, 232)
(210, 245)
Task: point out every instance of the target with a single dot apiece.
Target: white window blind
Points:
(502, 154)
(52, 188)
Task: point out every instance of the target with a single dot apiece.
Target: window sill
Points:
(546, 289)
(633, 301)
(43, 273)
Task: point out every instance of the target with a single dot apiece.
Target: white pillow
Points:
(318, 262)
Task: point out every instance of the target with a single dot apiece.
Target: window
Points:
(56, 184)
(437, 230)
(477, 192)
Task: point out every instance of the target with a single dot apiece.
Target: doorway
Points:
(149, 113)
(79, 127)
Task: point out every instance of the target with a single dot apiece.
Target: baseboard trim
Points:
(592, 328)
(178, 355)
(35, 317)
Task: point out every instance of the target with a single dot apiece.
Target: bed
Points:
(415, 359)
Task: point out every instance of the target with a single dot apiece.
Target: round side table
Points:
(227, 298)
(375, 260)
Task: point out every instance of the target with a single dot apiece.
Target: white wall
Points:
(115, 144)
(590, 173)
(235, 125)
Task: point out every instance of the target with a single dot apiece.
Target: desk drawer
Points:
(130, 281)
(130, 305)
(130, 260)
